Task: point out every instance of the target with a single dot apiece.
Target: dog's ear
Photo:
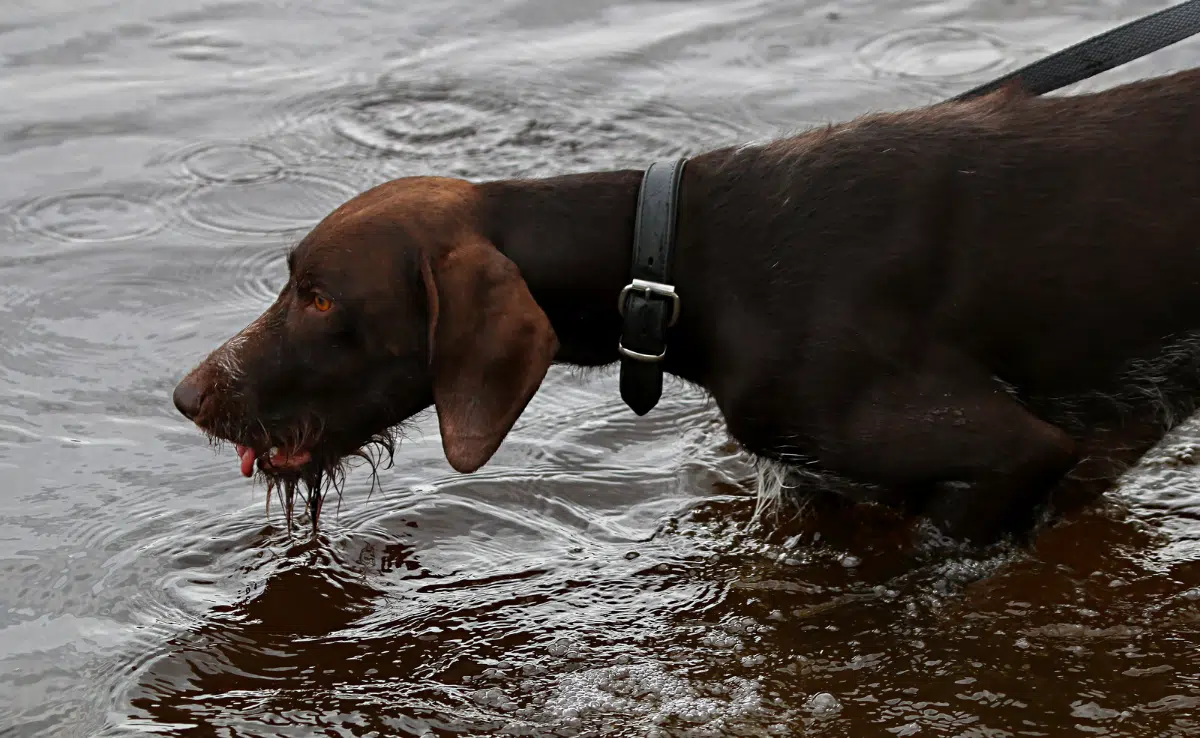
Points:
(490, 346)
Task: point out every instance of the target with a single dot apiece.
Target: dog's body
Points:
(949, 308)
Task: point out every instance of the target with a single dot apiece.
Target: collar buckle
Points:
(647, 288)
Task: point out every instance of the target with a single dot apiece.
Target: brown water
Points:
(600, 575)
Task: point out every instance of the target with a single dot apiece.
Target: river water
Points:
(601, 575)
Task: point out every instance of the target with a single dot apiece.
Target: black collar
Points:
(648, 304)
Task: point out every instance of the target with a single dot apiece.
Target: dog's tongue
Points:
(247, 456)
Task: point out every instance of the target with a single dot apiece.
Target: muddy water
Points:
(600, 576)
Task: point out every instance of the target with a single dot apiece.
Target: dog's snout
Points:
(189, 396)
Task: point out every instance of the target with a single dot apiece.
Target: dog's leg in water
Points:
(948, 421)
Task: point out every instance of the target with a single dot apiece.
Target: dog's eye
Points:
(322, 303)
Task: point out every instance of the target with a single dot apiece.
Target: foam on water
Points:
(652, 695)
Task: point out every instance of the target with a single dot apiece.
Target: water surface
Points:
(600, 575)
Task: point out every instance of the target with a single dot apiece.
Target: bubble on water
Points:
(885, 593)
(864, 661)
(721, 640)
(1135, 671)
(956, 573)
(1077, 631)
(1093, 711)
(1192, 594)
(493, 698)
(743, 624)
(823, 704)
(850, 561)
(559, 647)
(492, 673)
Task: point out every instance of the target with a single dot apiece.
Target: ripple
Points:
(600, 432)
(261, 274)
(239, 163)
(187, 306)
(7, 224)
(185, 282)
(458, 128)
(141, 520)
(95, 316)
(421, 121)
(91, 217)
(289, 203)
(197, 45)
(430, 123)
(933, 52)
(242, 280)
(471, 602)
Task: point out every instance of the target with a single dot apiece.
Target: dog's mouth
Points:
(275, 461)
(303, 460)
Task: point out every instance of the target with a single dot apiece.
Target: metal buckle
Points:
(647, 358)
(648, 288)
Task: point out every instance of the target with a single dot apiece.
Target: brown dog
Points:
(952, 307)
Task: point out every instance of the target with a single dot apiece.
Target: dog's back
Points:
(1057, 238)
(1052, 244)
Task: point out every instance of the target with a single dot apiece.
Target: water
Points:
(599, 576)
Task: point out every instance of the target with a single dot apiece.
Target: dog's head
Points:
(394, 302)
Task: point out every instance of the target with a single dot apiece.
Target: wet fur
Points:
(895, 308)
(326, 474)
(1148, 397)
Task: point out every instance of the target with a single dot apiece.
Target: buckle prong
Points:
(647, 288)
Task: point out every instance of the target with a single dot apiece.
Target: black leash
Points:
(1097, 54)
(649, 304)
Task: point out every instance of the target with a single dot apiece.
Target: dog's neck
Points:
(572, 238)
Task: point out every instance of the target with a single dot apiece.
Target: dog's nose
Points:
(188, 397)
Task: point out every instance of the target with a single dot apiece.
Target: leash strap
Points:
(649, 304)
(1097, 54)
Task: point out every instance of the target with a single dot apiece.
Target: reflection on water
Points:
(601, 575)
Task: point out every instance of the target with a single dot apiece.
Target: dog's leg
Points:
(948, 421)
